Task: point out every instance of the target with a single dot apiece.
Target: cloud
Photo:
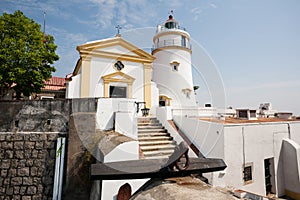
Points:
(126, 13)
(67, 48)
(53, 7)
(197, 11)
(213, 5)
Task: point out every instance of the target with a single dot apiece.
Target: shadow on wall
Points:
(34, 116)
(291, 168)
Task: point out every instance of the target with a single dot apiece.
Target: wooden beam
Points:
(152, 168)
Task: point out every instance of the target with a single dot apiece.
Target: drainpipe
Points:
(59, 168)
(289, 129)
(244, 152)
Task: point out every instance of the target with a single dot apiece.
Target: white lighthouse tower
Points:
(172, 68)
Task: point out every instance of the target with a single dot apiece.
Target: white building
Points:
(262, 154)
(114, 68)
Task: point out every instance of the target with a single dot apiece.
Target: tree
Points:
(26, 54)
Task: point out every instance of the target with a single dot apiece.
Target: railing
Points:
(172, 42)
(163, 28)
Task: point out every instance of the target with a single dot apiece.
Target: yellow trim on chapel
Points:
(111, 78)
(94, 49)
(85, 77)
(147, 84)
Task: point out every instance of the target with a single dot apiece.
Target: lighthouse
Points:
(172, 68)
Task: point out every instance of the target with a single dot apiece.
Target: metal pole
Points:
(56, 172)
(61, 171)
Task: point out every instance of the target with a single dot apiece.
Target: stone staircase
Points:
(154, 140)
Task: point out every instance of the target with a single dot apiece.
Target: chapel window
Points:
(117, 92)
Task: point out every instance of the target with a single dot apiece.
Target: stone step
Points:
(149, 124)
(150, 127)
(153, 134)
(158, 153)
(157, 147)
(159, 142)
(158, 157)
(155, 138)
(147, 120)
(161, 130)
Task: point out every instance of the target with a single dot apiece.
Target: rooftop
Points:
(55, 83)
(230, 120)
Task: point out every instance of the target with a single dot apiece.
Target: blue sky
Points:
(255, 44)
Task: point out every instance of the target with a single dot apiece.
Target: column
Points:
(147, 84)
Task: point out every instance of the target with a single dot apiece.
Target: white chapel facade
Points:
(115, 68)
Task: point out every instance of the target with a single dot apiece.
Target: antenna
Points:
(44, 22)
(44, 41)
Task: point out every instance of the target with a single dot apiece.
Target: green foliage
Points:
(26, 55)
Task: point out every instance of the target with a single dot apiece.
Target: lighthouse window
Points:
(174, 65)
(183, 41)
(170, 25)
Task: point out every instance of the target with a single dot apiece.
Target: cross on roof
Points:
(118, 27)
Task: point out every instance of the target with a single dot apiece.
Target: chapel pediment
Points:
(118, 77)
(114, 48)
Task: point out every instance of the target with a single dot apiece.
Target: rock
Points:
(181, 188)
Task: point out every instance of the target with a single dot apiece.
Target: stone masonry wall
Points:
(28, 135)
(27, 165)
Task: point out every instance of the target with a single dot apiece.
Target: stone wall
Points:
(34, 116)
(27, 165)
(28, 135)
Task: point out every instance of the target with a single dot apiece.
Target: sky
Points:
(254, 45)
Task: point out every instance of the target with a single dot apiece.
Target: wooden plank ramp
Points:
(152, 168)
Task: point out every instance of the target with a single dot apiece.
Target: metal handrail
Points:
(172, 42)
(163, 28)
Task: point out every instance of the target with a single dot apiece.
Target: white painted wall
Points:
(291, 166)
(208, 137)
(261, 141)
(73, 87)
(118, 49)
(295, 131)
(195, 112)
(103, 66)
(164, 113)
(124, 151)
(106, 109)
(154, 98)
(126, 124)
